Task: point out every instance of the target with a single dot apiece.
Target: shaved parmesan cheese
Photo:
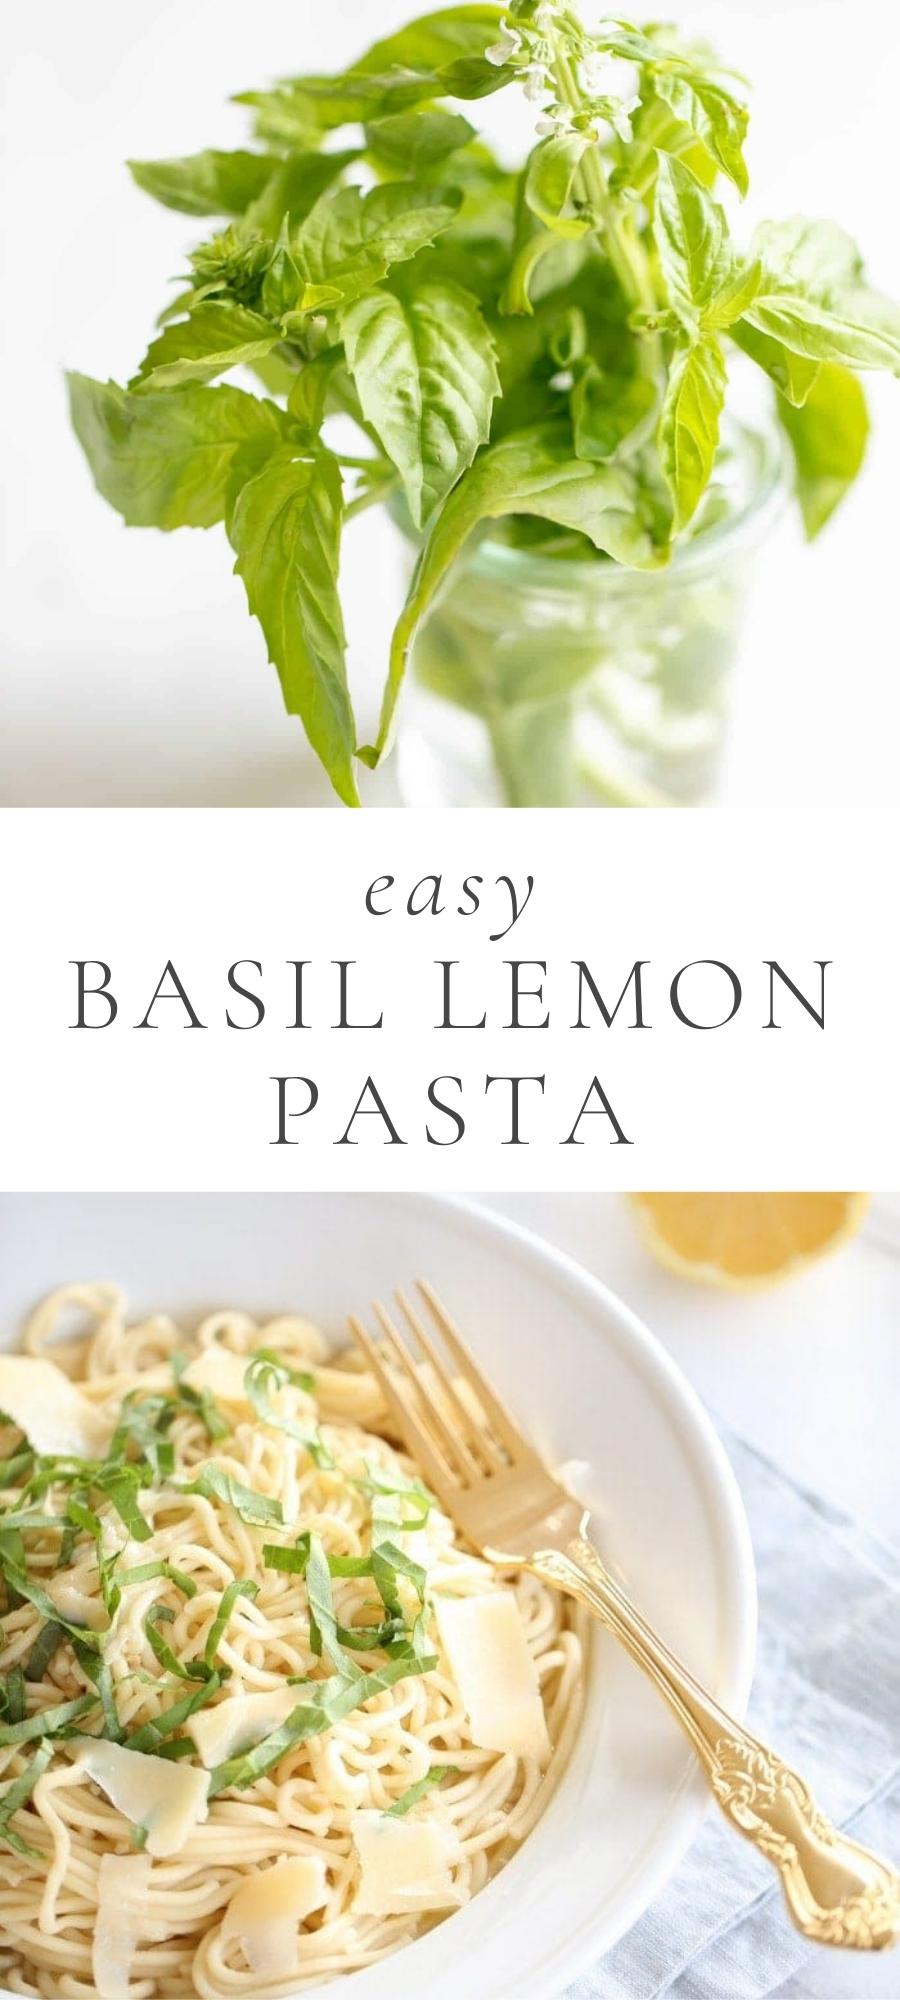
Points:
(216, 1370)
(239, 1722)
(265, 1911)
(75, 1606)
(122, 1884)
(488, 1656)
(168, 1799)
(41, 1401)
(405, 1864)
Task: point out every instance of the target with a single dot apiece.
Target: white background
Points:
(182, 1108)
(809, 1372)
(134, 675)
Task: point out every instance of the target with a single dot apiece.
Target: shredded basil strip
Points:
(151, 1735)
(188, 1670)
(121, 1485)
(176, 1748)
(29, 1521)
(46, 1646)
(17, 1794)
(293, 1561)
(98, 1673)
(149, 1572)
(12, 1695)
(143, 1422)
(18, 1579)
(256, 1509)
(12, 1470)
(51, 1721)
(323, 1631)
(298, 1378)
(264, 1374)
(203, 1405)
(241, 1587)
(324, 1704)
(411, 1798)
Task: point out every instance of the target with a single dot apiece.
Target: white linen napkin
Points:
(827, 1695)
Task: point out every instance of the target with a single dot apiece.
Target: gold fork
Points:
(495, 1487)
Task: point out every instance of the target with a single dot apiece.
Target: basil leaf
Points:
(441, 55)
(712, 113)
(285, 527)
(350, 241)
(607, 410)
(691, 233)
(808, 256)
(207, 183)
(240, 1587)
(828, 438)
(17, 1794)
(530, 472)
(452, 44)
(792, 374)
(425, 370)
(813, 299)
(213, 1483)
(657, 130)
(215, 337)
(551, 180)
(860, 328)
(414, 141)
(419, 1791)
(324, 1704)
(689, 424)
(295, 186)
(166, 461)
(738, 286)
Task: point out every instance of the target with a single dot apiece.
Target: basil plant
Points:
(547, 340)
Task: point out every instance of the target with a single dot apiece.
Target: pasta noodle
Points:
(232, 1539)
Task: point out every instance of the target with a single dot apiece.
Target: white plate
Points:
(590, 1383)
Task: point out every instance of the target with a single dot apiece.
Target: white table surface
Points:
(809, 1372)
(133, 675)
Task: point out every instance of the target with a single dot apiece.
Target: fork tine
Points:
(458, 1460)
(507, 1430)
(475, 1439)
(414, 1435)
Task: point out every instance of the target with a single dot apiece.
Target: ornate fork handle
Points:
(837, 1892)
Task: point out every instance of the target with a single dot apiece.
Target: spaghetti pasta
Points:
(249, 1529)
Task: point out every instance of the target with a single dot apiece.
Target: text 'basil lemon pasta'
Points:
(263, 1719)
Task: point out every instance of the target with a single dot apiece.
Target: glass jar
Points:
(543, 680)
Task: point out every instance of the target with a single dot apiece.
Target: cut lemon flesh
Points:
(742, 1240)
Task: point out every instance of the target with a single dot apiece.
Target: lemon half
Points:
(744, 1241)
